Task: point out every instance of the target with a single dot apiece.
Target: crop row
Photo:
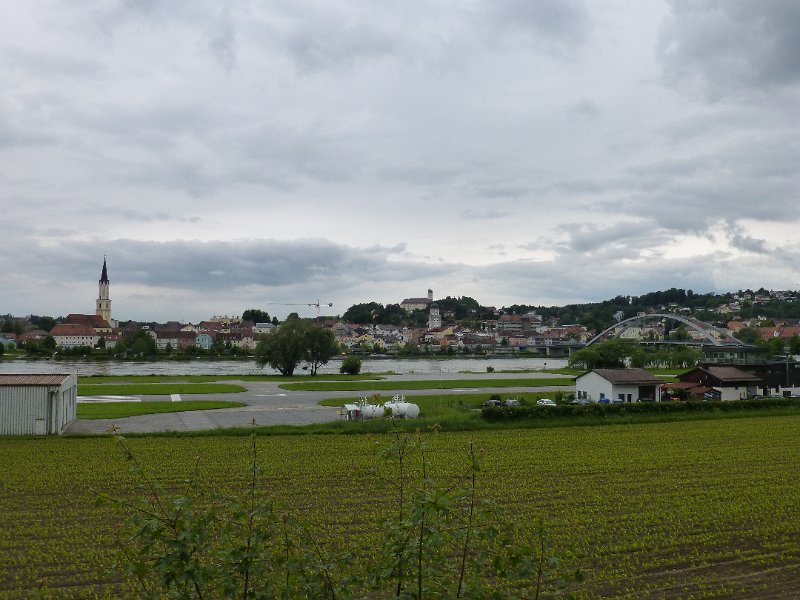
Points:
(706, 508)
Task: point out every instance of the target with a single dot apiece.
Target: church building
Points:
(87, 330)
(103, 304)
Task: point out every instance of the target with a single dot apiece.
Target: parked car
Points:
(545, 402)
(512, 402)
(492, 402)
(581, 401)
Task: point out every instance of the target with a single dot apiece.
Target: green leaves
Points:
(443, 542)
(698, 507)
(295, 341)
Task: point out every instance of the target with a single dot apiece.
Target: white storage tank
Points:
(371, 411)
(360, 412)
(37, 404)
(403, 410)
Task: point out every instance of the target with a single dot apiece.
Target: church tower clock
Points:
(103, 301)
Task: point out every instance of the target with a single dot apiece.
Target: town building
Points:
(86, 330)
(412, 304)
(618, 385)
(434, 317)
(720, 383)
(74, 335)
(96, 322)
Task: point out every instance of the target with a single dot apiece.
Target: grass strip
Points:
(423, 384)
(117, 410)
(152, 378)
(157, 389)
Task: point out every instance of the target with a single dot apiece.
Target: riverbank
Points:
(247, 366)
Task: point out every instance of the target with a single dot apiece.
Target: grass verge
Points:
(424, 384)
(157, 389)
(118, 410)
(138, 379)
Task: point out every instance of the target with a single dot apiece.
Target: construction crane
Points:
(316, 304)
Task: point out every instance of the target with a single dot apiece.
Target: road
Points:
(267, 404)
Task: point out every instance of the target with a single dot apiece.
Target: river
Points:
(248, 367)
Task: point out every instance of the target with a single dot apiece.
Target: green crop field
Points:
(668, 510)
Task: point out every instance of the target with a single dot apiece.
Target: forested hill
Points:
(747, 304)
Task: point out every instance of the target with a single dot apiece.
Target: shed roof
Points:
(628, 376)
(731, 374)
(723, 374)
(34, 379)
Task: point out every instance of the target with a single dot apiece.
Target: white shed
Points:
(618, 385)
(37, 404)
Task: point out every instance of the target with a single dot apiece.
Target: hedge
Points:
(502, 413)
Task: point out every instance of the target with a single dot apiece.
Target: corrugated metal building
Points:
(37, 404)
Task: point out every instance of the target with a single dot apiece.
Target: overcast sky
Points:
(257, 154)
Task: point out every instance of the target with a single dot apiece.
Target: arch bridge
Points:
(711, 335)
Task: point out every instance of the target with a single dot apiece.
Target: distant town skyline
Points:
(253, 155)
(317, 307)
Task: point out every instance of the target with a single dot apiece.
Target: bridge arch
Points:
(713, 335)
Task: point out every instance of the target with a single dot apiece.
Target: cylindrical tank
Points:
(371, 411)
(403, 410)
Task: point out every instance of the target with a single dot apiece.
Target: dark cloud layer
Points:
(732, 48)
(520, 151)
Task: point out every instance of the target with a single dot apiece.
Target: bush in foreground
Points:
(442, 541)
(350, 366)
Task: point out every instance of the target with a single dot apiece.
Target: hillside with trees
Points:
(597, 316)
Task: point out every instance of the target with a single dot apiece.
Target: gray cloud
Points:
(222, 41)
(584, 109)
(191, 264)
(558, 27)
(629, 237)
(332, 40)
(598, 279)
(732, 48)
(511, 151)
(741, 240)
(488, 214)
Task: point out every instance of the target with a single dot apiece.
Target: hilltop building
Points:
(412, 304)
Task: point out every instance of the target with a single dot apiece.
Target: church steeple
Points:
(103, 301)
(104, 274)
